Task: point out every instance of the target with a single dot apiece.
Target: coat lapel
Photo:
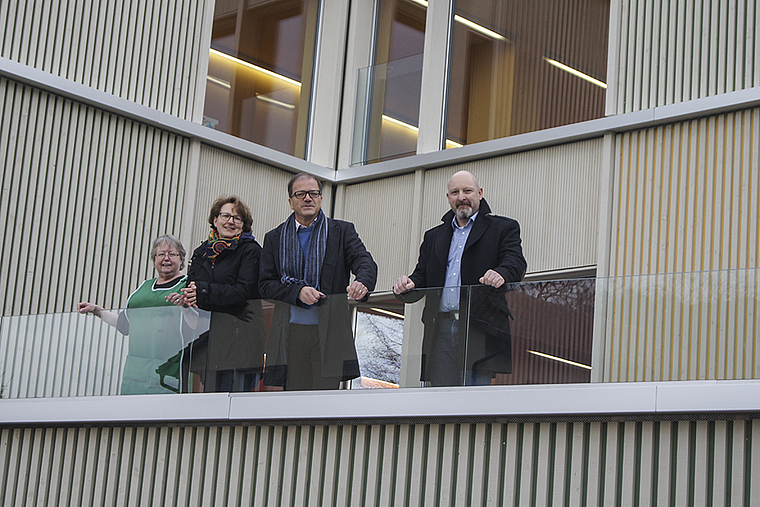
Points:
(443, 242)
(478, 228)
(332, 250)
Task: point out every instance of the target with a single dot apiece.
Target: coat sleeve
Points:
(270, 285)
(420, 274)
(359, 260)
(512, 264)
(244, 287)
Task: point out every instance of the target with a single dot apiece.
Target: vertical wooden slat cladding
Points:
(138, 50)
(84, 193)
(685, 215)
(676, 50)
(699, 462)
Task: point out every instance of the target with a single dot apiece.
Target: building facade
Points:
(124, 120)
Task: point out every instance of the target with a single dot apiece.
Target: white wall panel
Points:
(553, 193)
(382, 213)
(488, 463)
(147, 52)
(84, 193)
(677, 50)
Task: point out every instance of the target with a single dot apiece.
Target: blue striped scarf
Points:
(294, 268)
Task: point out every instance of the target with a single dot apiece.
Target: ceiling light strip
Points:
(469, 24)
(219, 82)
(255, 67)
(452, 144)
(388, 312)
(275, 102)
(560, 359)
(576, 73)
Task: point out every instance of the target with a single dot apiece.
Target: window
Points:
(260, 71)
(519, 66)
(388, 101)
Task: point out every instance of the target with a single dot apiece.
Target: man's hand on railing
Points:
(403, 284)
(492, 278)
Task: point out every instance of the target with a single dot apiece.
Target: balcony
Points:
(651, 328)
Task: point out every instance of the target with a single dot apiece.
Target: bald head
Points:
(464, 195)
(463, 176)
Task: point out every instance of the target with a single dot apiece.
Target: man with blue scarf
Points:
(304, 260)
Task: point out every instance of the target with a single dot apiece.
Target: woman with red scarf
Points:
(223, 278)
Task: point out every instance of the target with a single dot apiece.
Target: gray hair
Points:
(168, 239)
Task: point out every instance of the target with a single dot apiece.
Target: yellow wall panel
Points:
(671, 52)
(684, 252)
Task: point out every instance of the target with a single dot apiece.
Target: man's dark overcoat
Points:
(344, 253)
(494, 243)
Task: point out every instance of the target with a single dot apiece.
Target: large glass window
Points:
(388, 101)
(524, 65)
(260, 71)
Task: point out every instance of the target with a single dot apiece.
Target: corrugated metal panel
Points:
(381, 212)
(143, 51)
(701, 462)
(262, 188)
(84, 193)
(674, 51)
(552, 192)
(63, 354)
(686, 200)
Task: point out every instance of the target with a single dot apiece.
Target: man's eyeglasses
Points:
(173, 255)
(226, 217)
(302, 193)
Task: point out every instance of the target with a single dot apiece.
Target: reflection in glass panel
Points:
(388, 100)
(142, 351)
(260, 70)
(379, 335)
(519, 334)
(387, 127)
(680, 326)
(519, 66)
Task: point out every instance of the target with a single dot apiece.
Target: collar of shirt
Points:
(471, 221)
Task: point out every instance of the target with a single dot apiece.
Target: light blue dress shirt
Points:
(450, 296)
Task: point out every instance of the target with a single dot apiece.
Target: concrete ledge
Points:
(639, 398)
(115, 409)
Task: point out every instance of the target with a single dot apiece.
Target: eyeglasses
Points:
(302, 193)
(226, 217)
(173, 255)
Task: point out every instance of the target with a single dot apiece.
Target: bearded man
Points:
(467, 339)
